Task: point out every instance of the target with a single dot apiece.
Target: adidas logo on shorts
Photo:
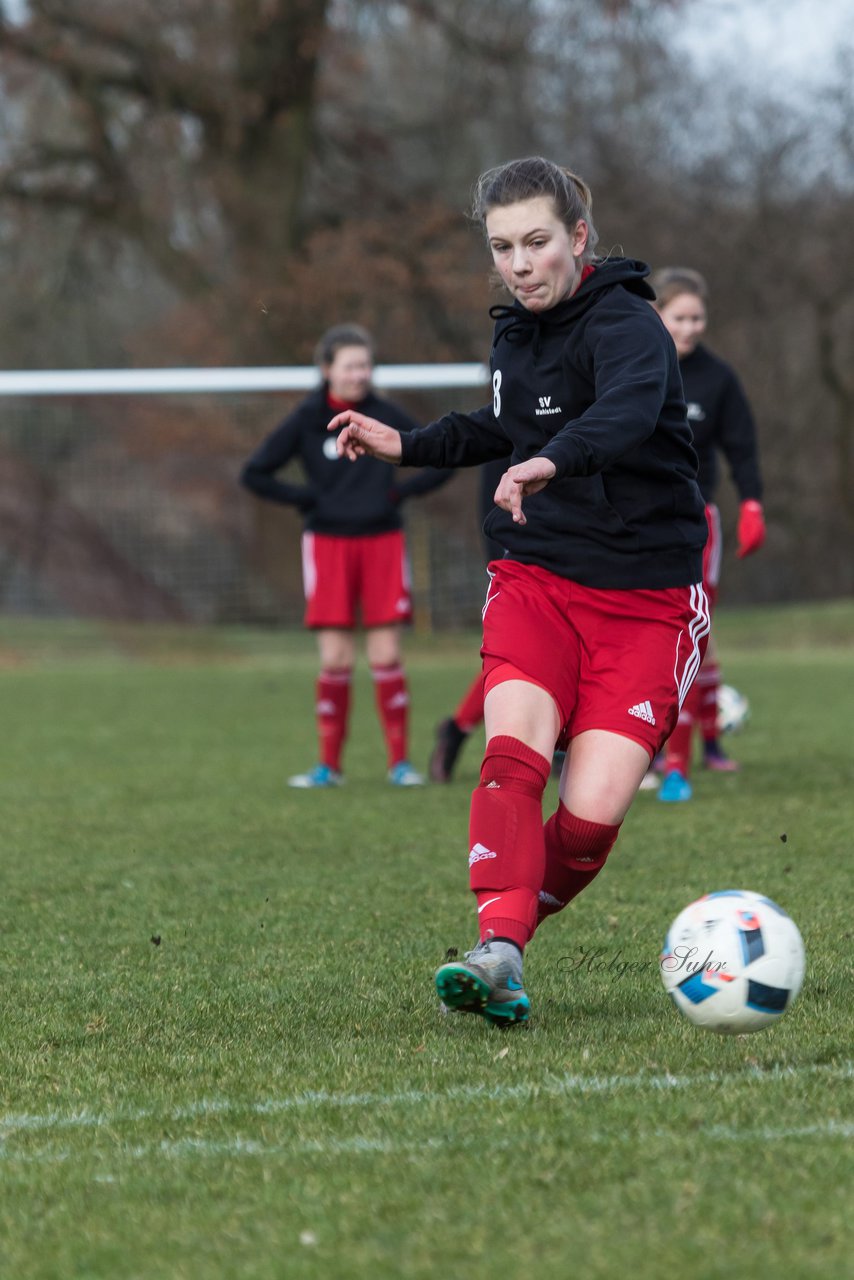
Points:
(643, 711)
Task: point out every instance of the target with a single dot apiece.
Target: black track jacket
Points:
(720, 418)
(592, 384)
(342, 498)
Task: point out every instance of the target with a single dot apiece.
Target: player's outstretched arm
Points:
(361, 435)
(519, 482)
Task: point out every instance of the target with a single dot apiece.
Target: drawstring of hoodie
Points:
(524, 326)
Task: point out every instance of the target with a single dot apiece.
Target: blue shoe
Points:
(489, 982)
(403, 775)
(675, 788)
(320, 776)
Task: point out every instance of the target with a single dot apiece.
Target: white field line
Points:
(555, 1086)
(246, 1148)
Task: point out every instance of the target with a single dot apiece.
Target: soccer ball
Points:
(733, 962)
(733, 709)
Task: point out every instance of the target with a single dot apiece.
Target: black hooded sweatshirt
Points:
(339, 498)
(720, 418)
(593, 385)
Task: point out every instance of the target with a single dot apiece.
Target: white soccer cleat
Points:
(403, 775)
(320, 776)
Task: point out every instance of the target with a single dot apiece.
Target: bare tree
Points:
(167, 115)
(200, 143)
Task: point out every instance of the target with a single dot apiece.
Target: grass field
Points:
(221, 1055)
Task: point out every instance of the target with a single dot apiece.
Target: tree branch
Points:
(501, 40)
(116, 63)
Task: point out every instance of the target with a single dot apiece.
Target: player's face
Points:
(685, 320)
(537, 256)
(349, 375)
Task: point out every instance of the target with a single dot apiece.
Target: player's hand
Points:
(751, 528)
(363, 435)
(520, 482)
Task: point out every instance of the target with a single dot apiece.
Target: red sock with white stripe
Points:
(507, 857)
(469, 713)
(392, 697)
(576, 851)
(333, 712)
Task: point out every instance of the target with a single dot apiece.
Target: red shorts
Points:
(616, 660)
(345, 576)
(712, 555)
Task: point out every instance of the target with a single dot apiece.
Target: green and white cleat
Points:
(487, 981)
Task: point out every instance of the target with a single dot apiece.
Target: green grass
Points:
(220, 1052)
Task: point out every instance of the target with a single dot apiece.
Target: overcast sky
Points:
(769, 40)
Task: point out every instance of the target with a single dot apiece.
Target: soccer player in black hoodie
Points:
(595, 620)
(353, 550)
(722, 422)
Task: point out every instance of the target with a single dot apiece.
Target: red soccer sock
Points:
(677, 750)
(576, 851)
(333, 712)
(708, 682)
(469, 713)
(392, 695)
(507, 857)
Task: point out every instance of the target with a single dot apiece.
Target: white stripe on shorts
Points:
(309, 568)
(698, 627)
(405, 569)
(489, 598)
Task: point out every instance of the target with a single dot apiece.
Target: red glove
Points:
(751, 528)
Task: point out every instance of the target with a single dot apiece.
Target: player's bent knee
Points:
(578, 843)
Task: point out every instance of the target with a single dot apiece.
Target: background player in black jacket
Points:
(353, 550)
(595, 619)
(722, 423)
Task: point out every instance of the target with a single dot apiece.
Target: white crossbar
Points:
(96, 382)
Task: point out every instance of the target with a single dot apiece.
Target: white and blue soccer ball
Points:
(733, 962)
(733, 709)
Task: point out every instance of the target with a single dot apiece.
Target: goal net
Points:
(119, 497)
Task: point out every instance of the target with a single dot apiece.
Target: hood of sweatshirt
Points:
(523, 325)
